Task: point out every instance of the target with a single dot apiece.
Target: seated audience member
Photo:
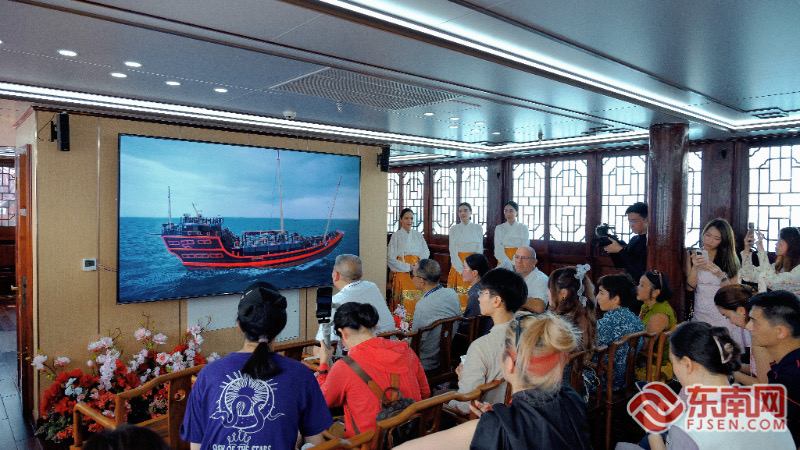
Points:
(347, 272)
(379, 358)
(543, 413)
(706, 356)
(733, 302)
(657, 315)
(436, 303)
(785, 273)
(775, 325)
(126, 437)
(572, 297)
(502, 293)
(633, 256)
(253, 396)
(615, 293)
(525, 265)
(475, 267)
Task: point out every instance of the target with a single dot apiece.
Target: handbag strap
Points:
(370, 382)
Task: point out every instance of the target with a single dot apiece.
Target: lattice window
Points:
(474, 188)
(774, 189)
(529, 193)
(8, 197)
(394, 203)
(414, 195)
(695, 164)
(623, 184)
(568, 181)
(444, 200)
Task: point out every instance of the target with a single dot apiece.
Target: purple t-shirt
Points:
(229, 410)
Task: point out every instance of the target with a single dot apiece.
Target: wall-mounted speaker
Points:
(383, 159)
(62, 131)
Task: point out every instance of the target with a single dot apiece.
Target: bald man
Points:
(525, 265)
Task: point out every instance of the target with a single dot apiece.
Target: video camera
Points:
(324, 309)
(602, 234)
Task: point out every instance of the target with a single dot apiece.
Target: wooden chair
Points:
(663, 339)
(295, 350)
(613, 399)
(360, 441)
(167, 426)
(445, 371)
(429, 412)
(389, 334)
(648, 353)
(478, 394)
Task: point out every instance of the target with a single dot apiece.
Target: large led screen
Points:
(201, 218)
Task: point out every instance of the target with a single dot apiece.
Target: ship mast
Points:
(325, 236)
(280, 192)
(169, 207)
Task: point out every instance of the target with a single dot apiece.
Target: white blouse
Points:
(465, 239)
(509, 236)
(764, 274)
(405, 243)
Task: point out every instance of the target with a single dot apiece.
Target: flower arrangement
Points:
(400, 316)
(107, 375)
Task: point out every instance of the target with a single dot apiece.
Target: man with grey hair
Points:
(525, 265)
(436, 303)
(347, 272)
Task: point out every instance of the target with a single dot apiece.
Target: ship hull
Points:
(208, 252)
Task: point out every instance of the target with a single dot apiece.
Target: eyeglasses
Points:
(522, 257)
(518, 318)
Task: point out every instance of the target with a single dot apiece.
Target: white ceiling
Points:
(555, 71)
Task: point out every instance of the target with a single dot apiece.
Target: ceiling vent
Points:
(353, 87)
(769, 113)
(604, 129)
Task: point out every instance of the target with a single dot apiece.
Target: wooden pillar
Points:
(498, 193)
(667, 172)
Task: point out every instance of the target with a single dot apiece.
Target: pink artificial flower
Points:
(193, 330)
(213, 357)
(106, 342)
(162, 358)
(142, 334)
(90, 363)
(160, 339)
(95, 346)
(38, 362)
(62, 361)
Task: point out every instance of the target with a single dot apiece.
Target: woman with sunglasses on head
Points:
(706, 356)
(785, 273)
(255, 397)
(386, 362)
(705, 273)
(657, 315)
(543, 413)
(733, 302)
(509, 235)
(465, 238)
(406, 247)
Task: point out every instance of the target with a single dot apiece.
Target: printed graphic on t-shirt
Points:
(245, 405)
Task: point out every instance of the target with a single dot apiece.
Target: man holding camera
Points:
(347, 272)
(633, 256)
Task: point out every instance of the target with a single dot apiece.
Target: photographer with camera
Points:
(633, 256)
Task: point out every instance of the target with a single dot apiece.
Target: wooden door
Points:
(24, 270)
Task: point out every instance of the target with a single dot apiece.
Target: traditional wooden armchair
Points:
(429, 412)
(167, 426)
(360, 441)
(459, 417)
(294, 350)
(445, 371)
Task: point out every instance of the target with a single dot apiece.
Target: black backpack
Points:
(391, 405)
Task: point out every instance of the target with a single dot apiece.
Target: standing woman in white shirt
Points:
(406, 247)
(508, 236)
(466, 238)
(785, 273)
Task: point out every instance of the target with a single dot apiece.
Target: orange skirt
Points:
(510, 252)
(456, 282)
(403, 290)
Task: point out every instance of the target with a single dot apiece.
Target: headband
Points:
(580, 272)
(541, 365)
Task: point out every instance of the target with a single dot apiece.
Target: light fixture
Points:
(1, 41)
(133, 64)
(118, 75)
(480, 122)
(496, 133)
(453, 126)
(427, 113)
(173, 83)
(454, 118)
(69, 53)
(475, 130)
(220, 90)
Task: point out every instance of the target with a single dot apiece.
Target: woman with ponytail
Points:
(705, 355)
(733, 302)
(255, 397)
(544, 412)
(379, 359)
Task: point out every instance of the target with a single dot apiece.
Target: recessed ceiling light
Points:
(480, 122)
(221, 90)
(173, 83)
(118, 75)
(67, 53)
(132, 64)
(475, 130)
(496, 133)
(454, 118)
(453, 126)
(1, 41)
(427, 114)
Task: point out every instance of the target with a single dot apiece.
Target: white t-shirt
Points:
(362, 291)
(537, 285)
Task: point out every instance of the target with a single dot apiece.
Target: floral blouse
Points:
(614, 325)
(764, 274)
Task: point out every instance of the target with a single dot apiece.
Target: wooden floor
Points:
(15, 433)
